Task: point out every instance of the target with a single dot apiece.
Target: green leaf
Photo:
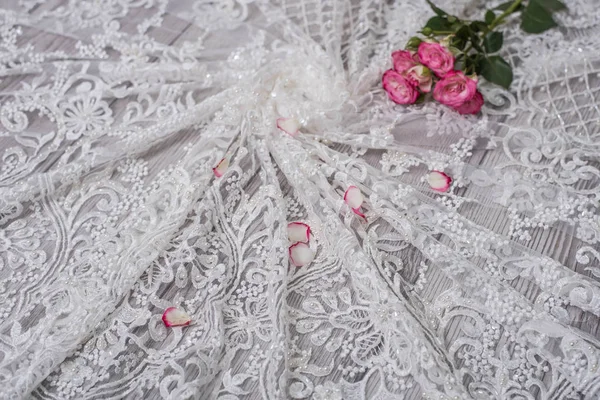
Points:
(463, 32)
(421, 98)
(475, 41)
(536, 18)
(459, 44)
(438, 24)
(478, 26)
(493, 41)
(478, 63)
(550, 5)
(505, 6)
(472, 64)
(461, 37)
(489, 17)
(436, 9)
(496, 70)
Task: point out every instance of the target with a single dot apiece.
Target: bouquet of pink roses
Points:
(414, 73)
(453, 53)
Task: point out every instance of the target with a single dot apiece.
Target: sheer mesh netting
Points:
(113, 114)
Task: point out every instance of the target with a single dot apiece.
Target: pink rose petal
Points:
(420, 77)
(221, 167)
(298, 232)
(404, 60)
(455, 89)
(173, 317)
(301, 254)
(353, 197)
(472, 106)
(291, 126)
(359, 213)
(398, 88)
(436, 57)
(439, 181)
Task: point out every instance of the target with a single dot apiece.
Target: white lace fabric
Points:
(113, 114)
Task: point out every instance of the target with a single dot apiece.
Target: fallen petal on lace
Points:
(353, 197)
(291, 126)
(298, 232)
(359, 213)
(301, 254)
(175, 317)
(439, 181)
(221, 167)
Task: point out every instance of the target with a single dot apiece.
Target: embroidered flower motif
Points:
(85, 113)
(245, 322)
(455, 89)
(328, 391)
(20, 244)
(436, 57)
(472, 106)
(399, 89)
(439, 181)
(74, 372)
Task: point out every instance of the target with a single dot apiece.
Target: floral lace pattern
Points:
(113, 115)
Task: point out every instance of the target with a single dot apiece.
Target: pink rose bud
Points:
(472, 106)
(421, 77)
(404, 60)
(399, 89)
(436, 57)
(455, 89)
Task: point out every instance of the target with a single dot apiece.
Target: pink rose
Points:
(407, 64)
(455, 89)
(471, 106)
(436, 57)
(399, 89)
(421, 77)
(404, 60)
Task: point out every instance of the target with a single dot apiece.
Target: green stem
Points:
(506, 13)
